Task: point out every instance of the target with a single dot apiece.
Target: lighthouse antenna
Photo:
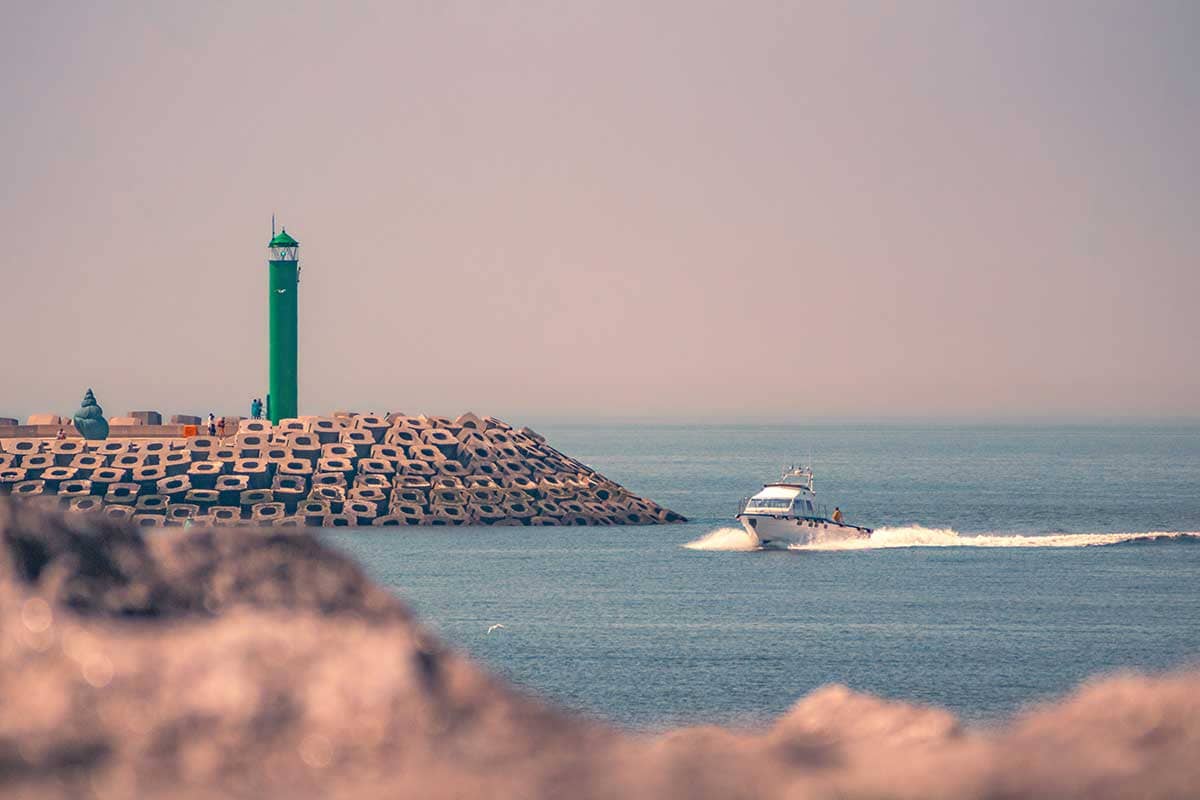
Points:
(272, 226)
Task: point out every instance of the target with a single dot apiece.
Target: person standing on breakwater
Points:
(221, 427)
(212, 424)
(62, 434)
(255, 408)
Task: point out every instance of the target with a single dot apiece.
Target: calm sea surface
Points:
(957, 603)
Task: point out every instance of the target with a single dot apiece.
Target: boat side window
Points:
(809, 506)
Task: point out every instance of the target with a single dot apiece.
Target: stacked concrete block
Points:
(337, 471)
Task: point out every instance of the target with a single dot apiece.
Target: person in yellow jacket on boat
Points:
(837, 514)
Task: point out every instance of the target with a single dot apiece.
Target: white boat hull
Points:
(780, 531)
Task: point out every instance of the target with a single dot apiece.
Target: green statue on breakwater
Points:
(89, 419)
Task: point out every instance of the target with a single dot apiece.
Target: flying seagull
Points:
(494, 627)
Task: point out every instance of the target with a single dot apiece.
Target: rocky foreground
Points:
(237, 663)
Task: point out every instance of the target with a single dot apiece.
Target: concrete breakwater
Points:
(341, 470)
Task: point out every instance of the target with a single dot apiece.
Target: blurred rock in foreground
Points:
(238, 663)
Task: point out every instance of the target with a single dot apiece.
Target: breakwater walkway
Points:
(327, 471)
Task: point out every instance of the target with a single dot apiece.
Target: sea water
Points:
(1010, 563)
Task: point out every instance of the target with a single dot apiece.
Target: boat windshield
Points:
(769, 504)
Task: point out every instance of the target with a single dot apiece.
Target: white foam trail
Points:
(735, 539)
(919, 536)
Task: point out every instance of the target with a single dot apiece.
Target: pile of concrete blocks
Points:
(342, 470)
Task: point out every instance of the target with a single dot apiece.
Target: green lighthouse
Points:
(283, 280)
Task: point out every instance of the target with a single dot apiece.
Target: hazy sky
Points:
(618, 208)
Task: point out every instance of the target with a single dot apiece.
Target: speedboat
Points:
(786, 513)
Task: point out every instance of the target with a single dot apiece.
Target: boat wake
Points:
(730, 539)
(736, 539)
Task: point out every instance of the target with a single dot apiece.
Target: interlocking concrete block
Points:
(260, 427)
(151, 502)
(29, 488)
(405, 421)
(118, 512)
(252, 497)
(547, 508)
(203, 446)
(369, 494)
(389, 520)
(204, 474)
(290, 521)
(402, 437)
(488, 513)
(519, 509)
(25, 447)
(224, 453)
(148, 476)
(305, 446)
(408, 511)
(337, 479)
(77, 487)
(85, 504)
(176, 462)
(290, 490)
(359, 441)
(181, 512)
(313, 510)
(387, 452)
(425, 452)
(126, 461)
(421, 469)
(9, 460)
(174, 487)
(447, 515)
(86, 463)
(448, 482)
(484, 495)
(110, 448)
(338, 521)
(258, 473)
(290, 425)
(251, 445)
(298, 467)
(120, 493)
(469, 421)
(276, 453)
(376, 426)
(327, 431)
(202, 499)
(267, 512)
(376, 466)
(54, 476)
(342, 466)
(230, 487)
(411, 482)
(470, 438)
(362, 511)
(65, 450)
(105, 477)
(486, 469)
(34, 464)
(146, 417)
(447, 496)
(544, 521)
(442, 439)
(373, 480)
(410, 496)
(334, 496)
(472, 454)
(224, 514)
(339, 450)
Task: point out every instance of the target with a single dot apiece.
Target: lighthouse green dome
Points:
(282, 239)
